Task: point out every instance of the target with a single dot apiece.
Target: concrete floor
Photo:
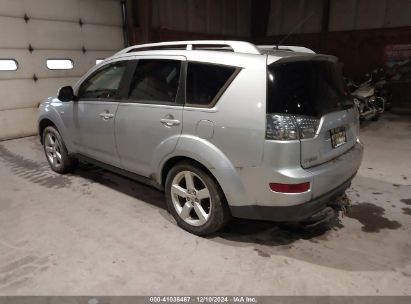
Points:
(96, 233)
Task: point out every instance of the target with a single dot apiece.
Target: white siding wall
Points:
(53, 31)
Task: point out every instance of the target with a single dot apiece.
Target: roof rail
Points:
(236, 46)
(286, 48)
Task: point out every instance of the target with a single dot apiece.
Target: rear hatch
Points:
(307, 101)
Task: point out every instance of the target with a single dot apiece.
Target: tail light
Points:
(281, 127)
(307, 126)
(290, 127)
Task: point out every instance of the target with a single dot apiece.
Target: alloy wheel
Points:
(53, 150)
(191, 198)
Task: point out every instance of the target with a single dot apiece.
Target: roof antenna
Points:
(294, 29)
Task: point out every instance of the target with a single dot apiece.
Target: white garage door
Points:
(75, 32)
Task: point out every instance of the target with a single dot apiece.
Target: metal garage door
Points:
(31, 32)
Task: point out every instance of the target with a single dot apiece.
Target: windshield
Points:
(311, 88)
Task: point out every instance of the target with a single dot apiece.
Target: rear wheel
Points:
(195, 200)
(56, 152)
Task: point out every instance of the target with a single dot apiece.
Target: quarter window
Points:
(104, 83)
(8, 65)
(155, 80)
(206, 83)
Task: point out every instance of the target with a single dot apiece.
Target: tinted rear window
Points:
(155, 80)
(311, 88)
(206, 82)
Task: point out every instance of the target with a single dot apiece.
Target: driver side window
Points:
(103, 83)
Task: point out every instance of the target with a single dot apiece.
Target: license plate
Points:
(338, 137)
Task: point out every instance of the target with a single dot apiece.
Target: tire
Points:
(184, 204)
(56, 152)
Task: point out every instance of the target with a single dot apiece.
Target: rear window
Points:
(311, 88)
(155, 80)
(207, 82)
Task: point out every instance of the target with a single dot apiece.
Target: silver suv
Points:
(225, 128)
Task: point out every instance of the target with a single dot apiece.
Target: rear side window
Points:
(104, 83)
(155, 80)
(206, 83)
(311, 88)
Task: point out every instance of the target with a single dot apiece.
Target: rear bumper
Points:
(293, 213)
(281, 166)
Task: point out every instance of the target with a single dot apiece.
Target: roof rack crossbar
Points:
(236, 46)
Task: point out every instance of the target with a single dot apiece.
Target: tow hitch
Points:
(341, 205)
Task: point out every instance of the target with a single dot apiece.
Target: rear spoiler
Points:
(290, 48)
(301, 57)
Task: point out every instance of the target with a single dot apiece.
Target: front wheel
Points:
(195, 200)
(56, 152)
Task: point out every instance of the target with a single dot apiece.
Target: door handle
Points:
(106, 115)
(169, 121)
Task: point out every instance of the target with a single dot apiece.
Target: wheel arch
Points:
(44, 123)
(212, 161)
(173, 161)
(52, 118)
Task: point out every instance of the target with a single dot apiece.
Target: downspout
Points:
(124, 14)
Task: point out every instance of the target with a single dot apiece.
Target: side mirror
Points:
(66, 94)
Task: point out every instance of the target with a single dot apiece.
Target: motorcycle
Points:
(379, 79)
(368, 101)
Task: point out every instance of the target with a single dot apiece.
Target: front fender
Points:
(48, 110)
(215, 161)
